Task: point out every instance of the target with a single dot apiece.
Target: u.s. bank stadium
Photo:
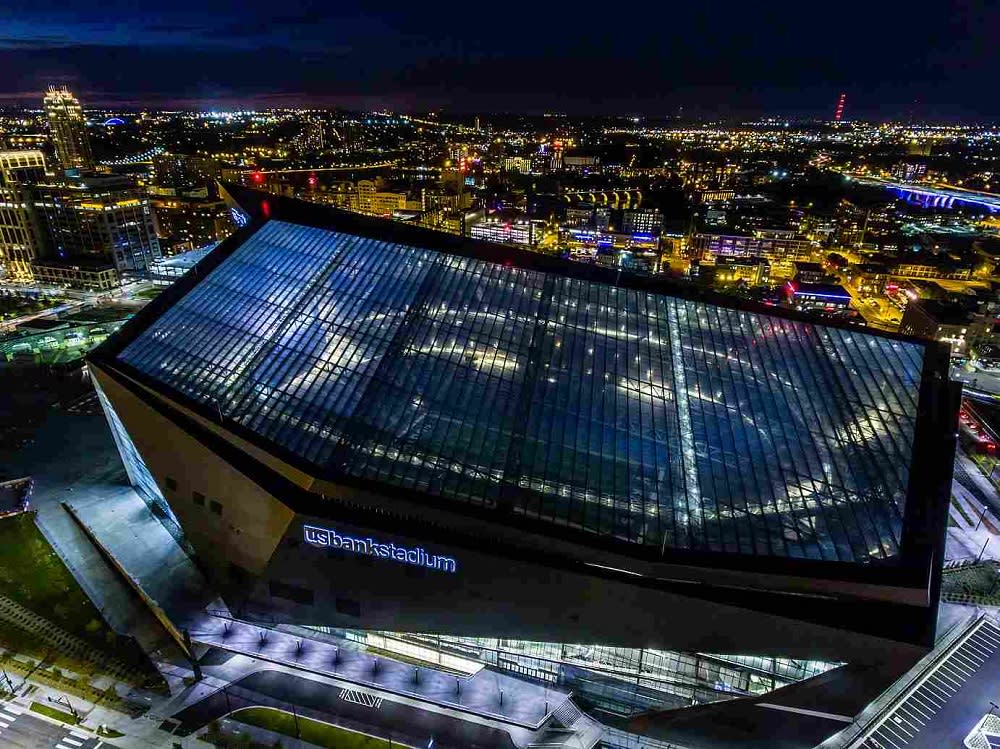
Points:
(363, 425)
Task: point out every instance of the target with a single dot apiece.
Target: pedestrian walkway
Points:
(488, 693)
(143, 732)
(973, 530)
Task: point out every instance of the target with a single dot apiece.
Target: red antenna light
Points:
(837, 115)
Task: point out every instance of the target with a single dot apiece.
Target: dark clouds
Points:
(778, 57)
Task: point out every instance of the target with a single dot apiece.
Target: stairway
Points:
(568, 728)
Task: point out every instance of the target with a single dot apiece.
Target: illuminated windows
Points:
(658, 421)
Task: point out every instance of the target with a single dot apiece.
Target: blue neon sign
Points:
(372, 547)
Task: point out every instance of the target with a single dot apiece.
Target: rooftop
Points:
(821, 289)
(518, 385)
(944, 313)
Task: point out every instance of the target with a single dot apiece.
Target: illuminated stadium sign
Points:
(329, 538)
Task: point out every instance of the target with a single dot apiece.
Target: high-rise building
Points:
(19, 232)
(520, 164)
(642, 221)
(839, 112)
(368, 197)
(187, 223)
(98, 221)
(69, 129)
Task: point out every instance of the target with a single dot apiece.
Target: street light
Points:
(65, 701)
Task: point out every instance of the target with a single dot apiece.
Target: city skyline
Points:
(583, 425)
(737, 60)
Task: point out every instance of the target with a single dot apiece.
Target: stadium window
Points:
(291, 592)
(215, 507)
(199, 498)
(171, 483)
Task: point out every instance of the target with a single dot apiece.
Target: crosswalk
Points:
(8, 714)
(75, 740)
(361, 698)
(902, 724)
(22, 729)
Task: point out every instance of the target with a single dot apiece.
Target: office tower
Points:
(20, 240)
(68, 129)
(96, 222)
(642, 221)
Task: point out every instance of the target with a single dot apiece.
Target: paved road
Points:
(22, 730)
(949, 703)
(326, 702)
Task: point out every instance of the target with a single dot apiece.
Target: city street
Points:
(22, 730)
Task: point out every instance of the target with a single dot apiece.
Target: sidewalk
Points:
(140, 733)
(487, 693)
(967, 538)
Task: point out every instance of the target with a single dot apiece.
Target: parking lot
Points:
(948, 700)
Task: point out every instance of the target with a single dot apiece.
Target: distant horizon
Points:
(31, 101)
(785, 59)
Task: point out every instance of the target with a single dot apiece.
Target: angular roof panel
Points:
(657, 420)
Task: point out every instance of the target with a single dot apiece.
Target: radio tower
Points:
(839, 113)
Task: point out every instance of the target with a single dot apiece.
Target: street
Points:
(22, 730)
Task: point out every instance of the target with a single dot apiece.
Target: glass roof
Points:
(660, 421)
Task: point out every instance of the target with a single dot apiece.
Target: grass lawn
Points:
(961, 511)
(312, 731)
(148, 293)
(32, 574)
(51, 712)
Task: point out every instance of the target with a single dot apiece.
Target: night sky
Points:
(927, 60)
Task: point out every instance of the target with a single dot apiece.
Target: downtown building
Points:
(20, 233)
(98, 232)
(68, 128)
(454, 447)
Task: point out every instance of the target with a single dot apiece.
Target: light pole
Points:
(66, 702)
(981, 516)
(982, 550)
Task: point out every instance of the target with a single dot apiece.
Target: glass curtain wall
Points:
(660, 422)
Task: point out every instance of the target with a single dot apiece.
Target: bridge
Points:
(335, 168)
(624, 197)
(146, 157)
(941, 195)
